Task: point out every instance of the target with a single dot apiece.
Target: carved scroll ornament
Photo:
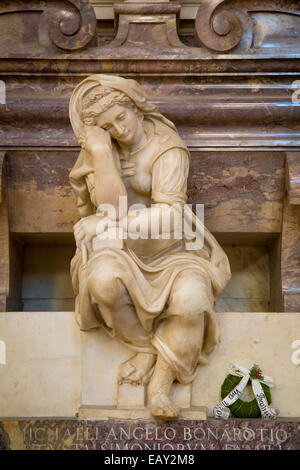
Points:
(70, 24)
(221, 24)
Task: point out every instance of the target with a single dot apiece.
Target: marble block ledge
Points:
(56, 370)
(234, 434)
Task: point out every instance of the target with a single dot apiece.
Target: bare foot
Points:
(162, 407)
(137, 369)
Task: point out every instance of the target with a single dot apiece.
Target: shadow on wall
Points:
(46, 283)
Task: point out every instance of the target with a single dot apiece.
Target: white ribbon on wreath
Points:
(222, 411)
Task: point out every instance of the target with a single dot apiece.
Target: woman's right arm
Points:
(107, 187)
(108, 182)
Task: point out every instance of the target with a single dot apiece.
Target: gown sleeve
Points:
(169, 177)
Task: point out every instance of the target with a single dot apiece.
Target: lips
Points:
(123, 136)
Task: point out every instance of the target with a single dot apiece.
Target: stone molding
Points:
(243, 29)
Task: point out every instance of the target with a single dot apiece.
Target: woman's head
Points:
(98, 94)
(113, 111)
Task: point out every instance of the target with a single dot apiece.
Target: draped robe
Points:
(149, 268)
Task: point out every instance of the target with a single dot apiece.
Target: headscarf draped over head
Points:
(129, 87)
(84, 165)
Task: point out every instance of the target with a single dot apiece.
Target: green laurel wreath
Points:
(241, 408)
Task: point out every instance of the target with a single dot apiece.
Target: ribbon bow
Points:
(222, 411)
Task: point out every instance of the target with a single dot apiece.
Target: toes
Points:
(137, 376)
(173, 412)
(159, 413)
(162, 407)
(126, 370)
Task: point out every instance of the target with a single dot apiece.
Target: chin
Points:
(126, 140)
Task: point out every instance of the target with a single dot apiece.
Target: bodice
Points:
(136, 170)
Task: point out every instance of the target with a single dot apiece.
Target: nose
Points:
(119, 129)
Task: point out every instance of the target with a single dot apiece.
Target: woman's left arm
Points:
(169, 177)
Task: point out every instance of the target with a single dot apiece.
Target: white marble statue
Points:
(153, 294)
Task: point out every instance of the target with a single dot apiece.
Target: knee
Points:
(104, 286)
(190, 296)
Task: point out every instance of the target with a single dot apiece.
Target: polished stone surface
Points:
(255, 338)
(41, 374)
(48, 371)
(151, 435)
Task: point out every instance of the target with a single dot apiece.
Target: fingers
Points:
(85, 229)
(79, 232)
(96, 132)
(84, 239)
(78, 239)
(89, 244)
(84, 254)
(78, 224)
(104, 224)
(81, 141)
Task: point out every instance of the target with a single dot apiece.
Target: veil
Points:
(129, 87)
(84, 165)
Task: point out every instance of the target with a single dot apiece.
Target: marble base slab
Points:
(246, 338)
(182, 435)
(131, 396)
(265, 339)
(41, 373)
(103, 413)
(50, 369)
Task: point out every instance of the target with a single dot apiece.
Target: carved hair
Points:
(87, 97)
(100, 99)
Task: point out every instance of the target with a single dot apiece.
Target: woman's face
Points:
(122, 123)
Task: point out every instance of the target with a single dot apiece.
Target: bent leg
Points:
(179, 339)
(159, 389)
(110, 297)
